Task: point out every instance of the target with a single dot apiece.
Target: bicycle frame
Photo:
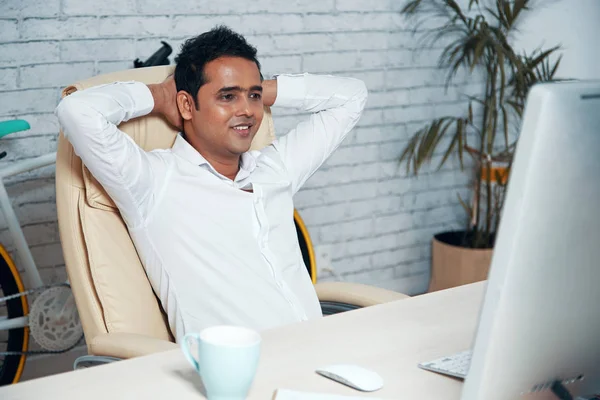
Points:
(25, 257)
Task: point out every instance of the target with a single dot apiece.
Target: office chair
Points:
(119, 312)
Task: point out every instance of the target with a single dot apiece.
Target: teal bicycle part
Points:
(15, 125)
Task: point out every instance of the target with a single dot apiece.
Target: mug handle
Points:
(186, 349)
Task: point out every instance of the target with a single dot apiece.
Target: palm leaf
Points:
(411, 7)
(470, 112)
(541, 57)
(508, 15)
(471, 2)
(493, 12)
(441, 133)
(409, 151)
(504, 123)
(456, 8)
(518, 6)
(426, 145)
(462, 127)
(478, 51)
(456, 139)
(516, 106)
(501, 63)
(425, 141)
(468, 210)
(501, 10)
(556, 64)
(476, 100)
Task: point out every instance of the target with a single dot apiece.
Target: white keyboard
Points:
(456, 365)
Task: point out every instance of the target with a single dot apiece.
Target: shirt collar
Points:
(183, 149)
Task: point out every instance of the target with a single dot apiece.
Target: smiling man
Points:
(212, 221)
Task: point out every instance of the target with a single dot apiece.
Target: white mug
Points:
(226, 360)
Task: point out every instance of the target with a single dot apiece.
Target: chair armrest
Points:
(127, 345)
(355, 294)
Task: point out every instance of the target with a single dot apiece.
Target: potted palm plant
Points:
(479, 40)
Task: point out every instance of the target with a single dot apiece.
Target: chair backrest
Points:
(110, 286)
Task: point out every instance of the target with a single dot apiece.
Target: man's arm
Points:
(336, 104)
(165, 101)
(89, 120)
(269, 92)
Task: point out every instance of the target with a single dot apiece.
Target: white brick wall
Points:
(377, 221)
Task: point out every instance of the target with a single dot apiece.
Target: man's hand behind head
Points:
(165, 102)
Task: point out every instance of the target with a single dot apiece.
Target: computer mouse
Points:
(354, 376)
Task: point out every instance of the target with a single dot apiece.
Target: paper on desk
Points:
(287, 394)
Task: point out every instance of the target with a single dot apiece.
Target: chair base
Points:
(92, 361)
(334, 307)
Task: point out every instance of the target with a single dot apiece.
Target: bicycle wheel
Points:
(11, 367)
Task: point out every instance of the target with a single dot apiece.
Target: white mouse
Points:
(354, 376)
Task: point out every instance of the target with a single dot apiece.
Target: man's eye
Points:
(256, 96)
(227, 97)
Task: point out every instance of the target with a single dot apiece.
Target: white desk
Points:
(389, 339)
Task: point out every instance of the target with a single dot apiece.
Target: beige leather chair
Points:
(120, 313)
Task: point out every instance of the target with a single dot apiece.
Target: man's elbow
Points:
(360, 94)
(66, 112)
(363, 94)
(73, 114)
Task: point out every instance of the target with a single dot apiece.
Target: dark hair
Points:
(198, 51)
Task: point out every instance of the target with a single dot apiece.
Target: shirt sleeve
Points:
(89, 120)
(336, 104)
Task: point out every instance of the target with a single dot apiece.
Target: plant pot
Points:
(453, 265)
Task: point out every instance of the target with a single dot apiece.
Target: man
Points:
(212, 221)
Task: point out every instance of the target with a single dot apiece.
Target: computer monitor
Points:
(540, 320)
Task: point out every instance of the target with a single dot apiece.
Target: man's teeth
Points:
(241, 128)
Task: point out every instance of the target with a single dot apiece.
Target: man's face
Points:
(230, 108)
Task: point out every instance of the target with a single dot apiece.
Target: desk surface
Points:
(389, 339)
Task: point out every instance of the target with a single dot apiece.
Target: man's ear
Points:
(185, 104)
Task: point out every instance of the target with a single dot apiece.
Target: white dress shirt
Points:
(213, 253)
